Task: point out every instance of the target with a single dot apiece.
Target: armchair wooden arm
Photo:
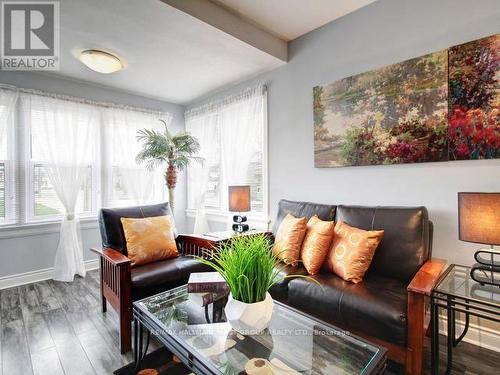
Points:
(419, 289)
(426, 278)
(112, 255)
(116, 288)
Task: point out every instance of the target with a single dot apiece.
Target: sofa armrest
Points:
(427, 276)
(196, 245)
(111, 255)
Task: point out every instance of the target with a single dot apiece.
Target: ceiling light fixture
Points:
(100, 61)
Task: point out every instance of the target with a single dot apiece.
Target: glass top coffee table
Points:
(295, 343)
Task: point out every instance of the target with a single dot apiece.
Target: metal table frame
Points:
(198, 364)
(453, 303)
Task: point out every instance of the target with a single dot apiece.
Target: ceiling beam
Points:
(232, 24)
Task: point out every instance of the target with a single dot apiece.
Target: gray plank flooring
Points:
(53, 328)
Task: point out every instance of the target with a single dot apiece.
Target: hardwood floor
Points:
(54, 328)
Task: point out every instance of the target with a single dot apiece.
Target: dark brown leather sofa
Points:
(388, 307)
(121, 284)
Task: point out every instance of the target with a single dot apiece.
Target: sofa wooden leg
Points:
(125, 331)
(416, 334)
(104, 307)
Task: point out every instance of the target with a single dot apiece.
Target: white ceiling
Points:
(169, 54)
(289, 19)
(174, 56)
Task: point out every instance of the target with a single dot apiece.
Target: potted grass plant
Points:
(250, 269)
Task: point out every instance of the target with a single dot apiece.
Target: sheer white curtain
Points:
(7, 104)
(204, 127)
(64, 138)
(241, 124)
(8, 99)
(120, 127)
(238, 123)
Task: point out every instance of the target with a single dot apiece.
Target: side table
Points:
(456, 292)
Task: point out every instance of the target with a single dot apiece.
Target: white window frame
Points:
(30, 196)
(19, 218)
(9, 188)
(259, 220)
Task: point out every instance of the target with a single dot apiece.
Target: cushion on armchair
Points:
(149, 239)
(111, 228)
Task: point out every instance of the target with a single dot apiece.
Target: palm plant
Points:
(163, 148)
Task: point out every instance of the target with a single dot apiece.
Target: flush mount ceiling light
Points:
(100, 61)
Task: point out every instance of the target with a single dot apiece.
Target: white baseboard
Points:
(39, 275)
(483, 337)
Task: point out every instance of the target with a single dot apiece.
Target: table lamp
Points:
(479, 222)
(239, 201)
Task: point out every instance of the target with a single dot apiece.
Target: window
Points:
(7, 152)
(2, 191)
(62, 155)
(256, 180)
(46, 204)
(126, 182)
(63, 152)
(232, 143)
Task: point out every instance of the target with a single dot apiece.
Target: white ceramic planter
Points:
(249, 318)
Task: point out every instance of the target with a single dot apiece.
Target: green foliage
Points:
(161, 148)
(358, 147)
(248, 265)
(43, 210)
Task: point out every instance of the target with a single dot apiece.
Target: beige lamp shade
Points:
(479, 217)
(239, 198)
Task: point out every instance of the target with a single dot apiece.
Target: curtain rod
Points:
(82, 100)
(215, 104)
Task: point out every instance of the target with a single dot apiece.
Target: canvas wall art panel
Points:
(437, 107)
(474, 96)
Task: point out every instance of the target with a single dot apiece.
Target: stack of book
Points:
(205, 288)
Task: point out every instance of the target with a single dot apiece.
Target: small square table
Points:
(456, 291)
(295, 343)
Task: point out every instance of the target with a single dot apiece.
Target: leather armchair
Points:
(389, 306)
(122, 284)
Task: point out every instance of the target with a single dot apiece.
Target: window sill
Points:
(43, 227)
(259, 221)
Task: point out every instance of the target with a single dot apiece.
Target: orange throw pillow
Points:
(352, 251)
(289, 239)
(317, 243)
(149, 239)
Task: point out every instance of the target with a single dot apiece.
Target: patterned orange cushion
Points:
(149, 239)
(316, 244)
(352, 251)
(289, 239)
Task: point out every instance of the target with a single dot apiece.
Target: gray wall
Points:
(25, 253)
(385, 32)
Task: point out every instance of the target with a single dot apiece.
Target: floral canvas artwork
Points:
(438, 107)
(474, 96)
